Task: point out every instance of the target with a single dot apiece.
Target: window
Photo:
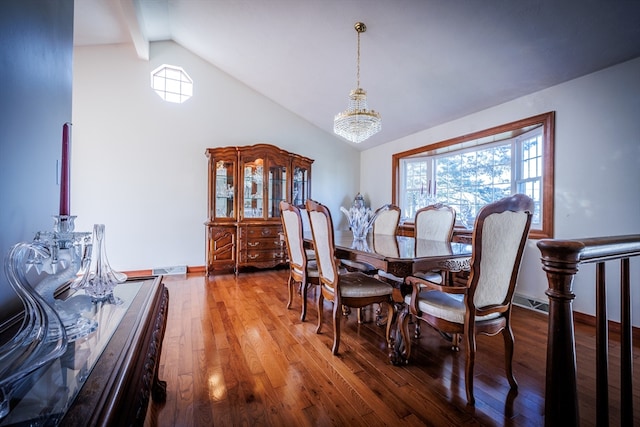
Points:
(472, 171)
(172, 83)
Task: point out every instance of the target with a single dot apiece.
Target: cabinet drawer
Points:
(261, 231)
(251, 256)
(261, 244)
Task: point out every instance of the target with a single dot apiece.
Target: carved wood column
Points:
(560, 261)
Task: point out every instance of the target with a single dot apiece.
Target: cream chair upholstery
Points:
(434, 222)
(352, 289)
(301, 270)
(306, 227)
(387, 220)
(484, 305)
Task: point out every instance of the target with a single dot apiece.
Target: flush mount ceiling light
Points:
(357, 122)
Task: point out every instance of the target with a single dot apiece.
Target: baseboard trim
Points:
(149, 272)
(614, 327)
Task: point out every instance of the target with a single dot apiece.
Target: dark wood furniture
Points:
(561, 260)
(246, 185)
(301, 270)
(400, 256)
(107, 377)
(483, 306)
(354, 289)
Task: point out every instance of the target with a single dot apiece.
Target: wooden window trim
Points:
(546, 119)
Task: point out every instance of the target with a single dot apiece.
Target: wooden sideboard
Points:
(460, 234)
(245, 187)
(107, 377)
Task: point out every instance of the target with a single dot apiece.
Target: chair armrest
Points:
(419, 283)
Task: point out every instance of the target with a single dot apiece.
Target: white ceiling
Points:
(423, 62)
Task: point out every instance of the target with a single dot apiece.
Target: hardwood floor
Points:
(234, 355)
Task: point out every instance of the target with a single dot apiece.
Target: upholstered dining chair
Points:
(301, 269)
(351, 289)
(483, 306)
(387, 220)
(434, 222)
(311, 255)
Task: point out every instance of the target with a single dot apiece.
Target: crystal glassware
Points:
(66, 252)
(99, 279)
(41, 337)
(360, 218)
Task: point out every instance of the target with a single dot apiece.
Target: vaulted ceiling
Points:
(423, 62)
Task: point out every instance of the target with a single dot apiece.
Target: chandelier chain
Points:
(358, 61)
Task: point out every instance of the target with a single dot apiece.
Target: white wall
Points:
(138, 163)
(597, 158)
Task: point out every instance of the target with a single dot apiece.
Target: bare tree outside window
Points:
(470, 172)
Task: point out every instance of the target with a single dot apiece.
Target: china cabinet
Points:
(246, 185)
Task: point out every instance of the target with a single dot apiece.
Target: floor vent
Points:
(177, 269)
(531, 303)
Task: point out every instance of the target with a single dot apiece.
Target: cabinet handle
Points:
(253, 244)
(253, 256)
(266, 232)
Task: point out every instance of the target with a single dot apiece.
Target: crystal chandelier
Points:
(357, 122)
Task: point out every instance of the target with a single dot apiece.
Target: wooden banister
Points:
(560, 260)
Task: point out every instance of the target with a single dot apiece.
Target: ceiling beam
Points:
(130, 16)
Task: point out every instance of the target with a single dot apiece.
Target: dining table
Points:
(400, 256)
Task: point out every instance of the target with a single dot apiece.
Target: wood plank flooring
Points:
(234, 355)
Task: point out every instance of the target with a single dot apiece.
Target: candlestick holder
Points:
(67, 253)
(99, 279)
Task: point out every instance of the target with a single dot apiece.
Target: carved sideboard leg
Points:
(159, 390)
(159, 387)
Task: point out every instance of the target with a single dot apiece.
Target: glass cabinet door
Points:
(253, 189)
(277, 188)
(300, 192)
(225, 189)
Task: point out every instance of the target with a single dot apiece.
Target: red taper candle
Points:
(65, 171)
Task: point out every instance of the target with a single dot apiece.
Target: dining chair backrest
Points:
(323, 243)
(305, 219)
(292, 227)
(386, 245)
(435, 222)
(387, 220)
(499, 238)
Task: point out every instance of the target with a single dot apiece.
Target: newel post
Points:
(560, 259)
